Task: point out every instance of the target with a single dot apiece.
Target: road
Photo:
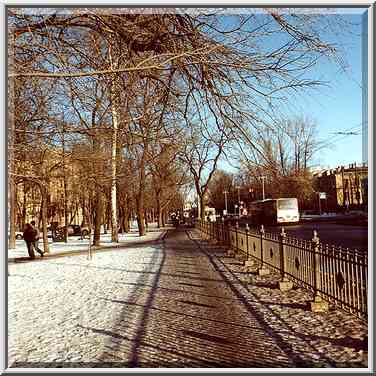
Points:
(178, 302)
(347, 236)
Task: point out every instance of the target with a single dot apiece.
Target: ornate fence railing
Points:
(336, 275)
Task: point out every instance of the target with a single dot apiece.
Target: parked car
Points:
(76, 230)
(19, 235)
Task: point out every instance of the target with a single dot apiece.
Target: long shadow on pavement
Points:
(281, 342)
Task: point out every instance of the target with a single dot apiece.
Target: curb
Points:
(20, 259)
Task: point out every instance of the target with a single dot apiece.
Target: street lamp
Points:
(238, 188)
(225, 193)
(250, 191)
(263, 186)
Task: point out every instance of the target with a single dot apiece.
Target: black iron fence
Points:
(336, 275)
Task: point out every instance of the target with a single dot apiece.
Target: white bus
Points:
(274, 211)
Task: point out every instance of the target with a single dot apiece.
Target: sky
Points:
(337, 106)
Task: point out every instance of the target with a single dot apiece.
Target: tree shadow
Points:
(282, 343)
(121, 246)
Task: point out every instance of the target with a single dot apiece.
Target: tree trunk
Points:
(146, 220)
(11, 163)
(114, 221)
(159, 210)
(66, 222)
(85, 212)
(121, 218)
(202, 207)
(128, 219)
(115, 127)
(23, 218)
(43, 192)
(140, 213)
(12, 213)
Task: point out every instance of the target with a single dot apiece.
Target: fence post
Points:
(248, 263)
(222, 231)
(230, 249)
(226, 234)
(263, 270)
(318, 305)
(246, 238)
(236, 234)
(284, 284)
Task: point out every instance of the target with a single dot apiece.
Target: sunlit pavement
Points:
(177, 302)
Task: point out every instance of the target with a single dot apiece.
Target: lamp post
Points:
(238, 188)
(319, 203)
(263, 186)
(225, 193)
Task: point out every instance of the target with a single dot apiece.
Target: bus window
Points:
(287, 203)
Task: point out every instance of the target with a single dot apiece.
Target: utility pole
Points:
(238, 188)
(263, 186)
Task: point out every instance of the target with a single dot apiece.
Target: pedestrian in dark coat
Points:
(29, 235)
(36, 238)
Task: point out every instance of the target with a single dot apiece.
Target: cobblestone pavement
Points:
(175, 303)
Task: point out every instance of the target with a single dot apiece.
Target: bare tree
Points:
(222, 75)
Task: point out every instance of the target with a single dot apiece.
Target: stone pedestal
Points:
(230, 253)
(239, 256)
(250, 279)
(263, 271)
(319, 305)
(285, 285)
(249, 265)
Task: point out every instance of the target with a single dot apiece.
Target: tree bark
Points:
(202, 206)
(159, 212)
(12, 212)
(43, 191)
(114, 149)
(114, 221)
(140, 213)
(11, 166)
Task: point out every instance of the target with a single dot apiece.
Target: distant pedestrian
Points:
(36, 238)
(29, 236)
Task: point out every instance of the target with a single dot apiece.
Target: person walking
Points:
(36, 238)
(29, 235)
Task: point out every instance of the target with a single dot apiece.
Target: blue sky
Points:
(339, 107)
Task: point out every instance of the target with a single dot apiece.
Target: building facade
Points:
(345, 188)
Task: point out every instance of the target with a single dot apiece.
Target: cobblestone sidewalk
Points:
(332, 339)
(179, 302)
